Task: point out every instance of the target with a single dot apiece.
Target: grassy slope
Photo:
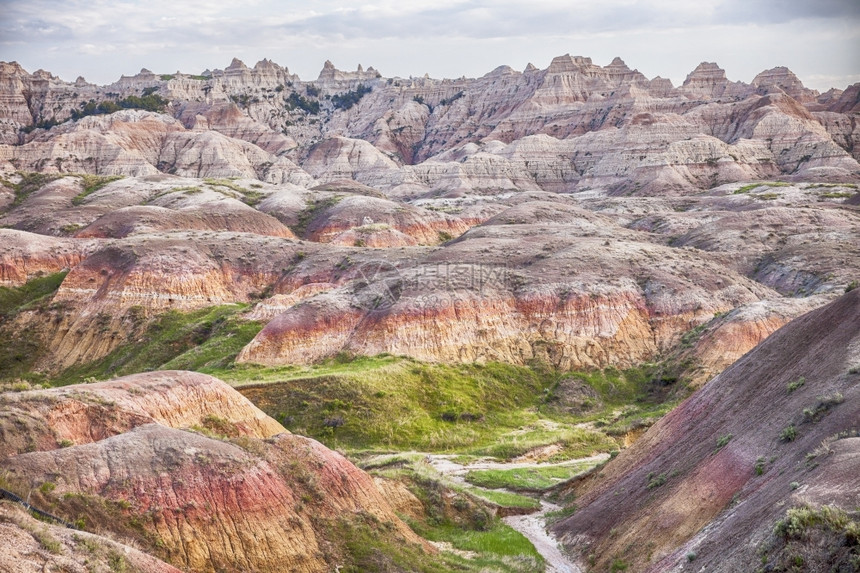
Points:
(206, 338)
(19, 348)
(397, 403)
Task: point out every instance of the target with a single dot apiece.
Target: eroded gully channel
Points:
(533, 525)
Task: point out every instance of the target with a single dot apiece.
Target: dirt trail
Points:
(532, 526)
(444, 465)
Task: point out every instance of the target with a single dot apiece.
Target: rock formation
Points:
(251, 497)
(619, 129)
(722, 465)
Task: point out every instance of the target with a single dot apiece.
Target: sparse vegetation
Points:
(311, 212)
(825, 535)
(47, 541)
(150, 102)
(656, 480)
(21, 347)
(91, 184)
(295, 101)
(350, 98)
(788, 434)
(723, 440)
(792, 386)
(822, 405)
(199, 340)
(28, 184)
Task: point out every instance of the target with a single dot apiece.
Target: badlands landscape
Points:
(563, 319)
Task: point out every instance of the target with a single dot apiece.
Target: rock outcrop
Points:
(621, 130)
(233, 502)
(722, 466)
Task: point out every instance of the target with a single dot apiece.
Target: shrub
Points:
(792, 386)
(148, 102)
(295, 101)
(350, 98)
(788, 434)
(723, 440)
(851, 286)
(656, 480)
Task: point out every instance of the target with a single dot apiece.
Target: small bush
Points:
(792, 386)
(295, 101)
(47, 541)
(723, 440)
(851, 286)
(655, 481)
(788, 434)
(691, 556)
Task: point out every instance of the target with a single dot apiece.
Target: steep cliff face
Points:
(727, 463)
(204, 504)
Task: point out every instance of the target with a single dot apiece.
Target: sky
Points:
(819, 40)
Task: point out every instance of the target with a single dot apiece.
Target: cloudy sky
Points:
(101, 40)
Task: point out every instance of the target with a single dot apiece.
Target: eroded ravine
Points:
(532, 525)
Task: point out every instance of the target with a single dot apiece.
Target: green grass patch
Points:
(385, 403)
(751, 186)
(574, 442)
(16, 299)
(91, 184)
(746, 188)
(499, 540)
(534, 478)
(504, 498)
(20, 348)
(201, 340)
(831, 185)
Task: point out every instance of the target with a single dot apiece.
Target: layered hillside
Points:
(576, 218)
(192, 472)
(575, 281)
(774, 437)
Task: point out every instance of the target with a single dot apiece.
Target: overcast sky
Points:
(101, 40)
